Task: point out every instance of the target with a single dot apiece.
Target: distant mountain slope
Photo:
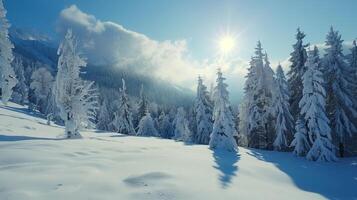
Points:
(39, 48)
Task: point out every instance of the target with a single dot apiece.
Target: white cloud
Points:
(108, 43)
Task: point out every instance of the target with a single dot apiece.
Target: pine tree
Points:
(257, 116)
(147, 126)
(143, 105)
(181, 126)
(165, 126)
(353, 75)
(300, 143)
(317, 58)
(20, 93)
(203, 114)
(123, 120)
(51, 111)
(7, 75)
(103, 116)
(297, 69)
(75, 98)
(284, 119)
(223, 132)
(353, 60)
(42, 82)
(312, 105)
(341, 103)
(270, 93)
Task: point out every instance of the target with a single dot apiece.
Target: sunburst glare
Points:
(226, 44)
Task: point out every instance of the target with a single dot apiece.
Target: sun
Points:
(226, 44)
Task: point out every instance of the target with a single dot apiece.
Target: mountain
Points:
(33, 47)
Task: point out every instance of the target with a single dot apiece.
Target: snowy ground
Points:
(36, 164)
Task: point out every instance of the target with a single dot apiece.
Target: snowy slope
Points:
(36, 164)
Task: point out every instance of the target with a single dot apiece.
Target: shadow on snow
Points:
(24, 111)
(226, 163)
(330, 180)
(13, 138)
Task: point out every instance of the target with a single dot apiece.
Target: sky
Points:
(187, 30)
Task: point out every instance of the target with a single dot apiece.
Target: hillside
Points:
(35, 163)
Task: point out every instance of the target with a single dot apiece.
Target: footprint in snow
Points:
(146, 179)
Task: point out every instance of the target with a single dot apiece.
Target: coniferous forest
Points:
(302, 112)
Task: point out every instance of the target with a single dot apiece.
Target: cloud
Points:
(108, 43)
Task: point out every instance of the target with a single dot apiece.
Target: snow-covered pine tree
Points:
(312, 105)
(353, 65)
(42, 82)
(243, 122)
(75, 98)
(103, 116)
(146, 126)
(284, 120)
(165, 126)
(300, 142)
(30, 68)
(181, 126)
(203, 114)
(52, 111)
(257, 109)
(20, 93)
(223, 131)
(7, 75)
(270, 93)
(143, 105)
(352, 62)
(317, 57)
(341, 103)
(123, 120)
(297, 69)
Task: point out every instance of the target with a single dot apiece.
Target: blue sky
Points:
(198, 23)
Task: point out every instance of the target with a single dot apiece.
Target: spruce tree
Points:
(341, 103)
(312, 106)
(7, 75)
(300, 142)
(147, 126)
(143, 105)
(284, 120)
(353, 60)
(203, 114)
(165, 126)
(223, 132)
(42, 82)
(123, 120)
(353, 74)
(103, 116)
(297, 69)
(257, 116)
(182, 131)
(20, 93)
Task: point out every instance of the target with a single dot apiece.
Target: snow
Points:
(35, 163)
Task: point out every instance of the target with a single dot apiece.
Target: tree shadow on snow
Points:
(13, 138)
(331, 180)
(226, 164)
(25, 111)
